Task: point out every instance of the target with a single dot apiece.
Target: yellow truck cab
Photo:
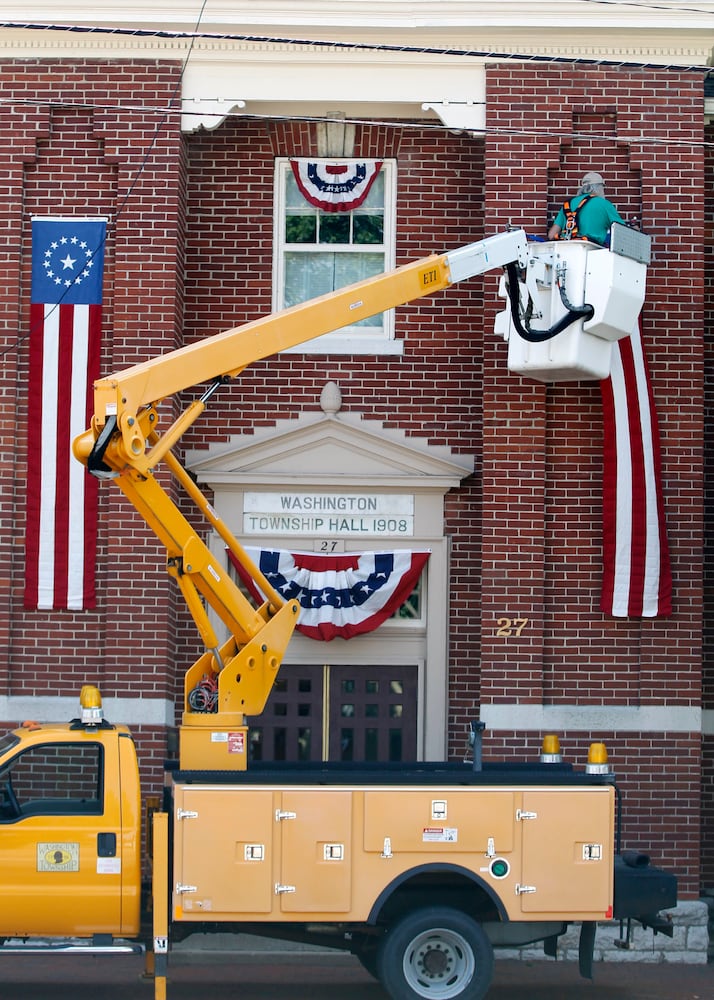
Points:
(70, 831)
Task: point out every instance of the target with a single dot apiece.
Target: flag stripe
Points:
(58, 546)
(636, 570)
(34, 446)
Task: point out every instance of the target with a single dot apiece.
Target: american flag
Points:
(637, 579)
(339, 595)
(65, 340)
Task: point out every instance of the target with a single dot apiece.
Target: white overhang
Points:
(389, 59)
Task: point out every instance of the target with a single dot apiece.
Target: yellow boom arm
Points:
(123, 444)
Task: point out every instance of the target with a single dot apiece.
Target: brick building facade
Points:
(191, 252)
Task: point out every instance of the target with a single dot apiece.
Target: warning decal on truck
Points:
(440, 835)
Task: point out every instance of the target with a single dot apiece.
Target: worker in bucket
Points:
(588, 215)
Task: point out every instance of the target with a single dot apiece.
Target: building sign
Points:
(345, 514)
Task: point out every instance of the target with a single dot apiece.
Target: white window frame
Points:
(349, 340)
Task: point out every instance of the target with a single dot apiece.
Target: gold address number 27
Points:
(509, 627)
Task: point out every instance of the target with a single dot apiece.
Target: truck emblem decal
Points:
(62, 857)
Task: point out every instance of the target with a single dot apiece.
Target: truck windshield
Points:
(8, 741)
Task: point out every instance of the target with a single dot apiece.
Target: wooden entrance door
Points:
(338, 713)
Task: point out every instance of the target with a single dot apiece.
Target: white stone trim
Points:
(588, 718)
(15, 709)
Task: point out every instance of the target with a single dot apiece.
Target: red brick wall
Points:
(708, 632)
(541, 552)
(526, 527)
(90, 153)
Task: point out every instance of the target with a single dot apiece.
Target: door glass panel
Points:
(372, 715)
(290, 728)
(382, 707)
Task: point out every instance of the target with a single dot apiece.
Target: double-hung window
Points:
(317, 251)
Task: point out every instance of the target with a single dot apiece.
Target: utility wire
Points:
(421, 124)
(111, 224)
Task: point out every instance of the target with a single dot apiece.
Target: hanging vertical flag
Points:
(65, 341)
(637, 579)
(345, 594)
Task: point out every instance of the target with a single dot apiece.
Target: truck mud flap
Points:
(641, 891)
(586, 948)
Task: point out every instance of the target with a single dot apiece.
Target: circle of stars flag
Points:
(65, 341)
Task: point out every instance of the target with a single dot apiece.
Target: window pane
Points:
(304, 738)
(412, 607)
(307, 276)
(371, 687)
(351, 267)
(293, 197)
(280, 744)
(375, 198)
(52, 779)
(368, 229)
(347, 747)
(371, 711)
(301, 229)
(371, 744)
(334, 227)
(255, 746)
(395, 744)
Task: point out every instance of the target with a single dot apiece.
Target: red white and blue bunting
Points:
(335, 187)
(341, 595)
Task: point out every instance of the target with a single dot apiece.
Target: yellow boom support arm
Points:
(123, 444)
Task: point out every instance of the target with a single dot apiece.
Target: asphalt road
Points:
(207, 976)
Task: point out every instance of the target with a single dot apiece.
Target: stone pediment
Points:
(327, 448)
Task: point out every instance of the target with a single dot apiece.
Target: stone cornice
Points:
(666, 16)
(399, 59)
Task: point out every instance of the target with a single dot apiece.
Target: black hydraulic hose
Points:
(95, 463)
(573, 314)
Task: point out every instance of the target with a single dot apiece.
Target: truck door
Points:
(567, 837)
(59, 869)
(316, 857)
(223, 851)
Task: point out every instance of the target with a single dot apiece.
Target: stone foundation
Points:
(690, 943)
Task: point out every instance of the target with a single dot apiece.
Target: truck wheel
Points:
(436, 953)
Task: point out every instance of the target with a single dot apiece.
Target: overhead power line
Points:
(350, 46)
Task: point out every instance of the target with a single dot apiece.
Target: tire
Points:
(437, 953)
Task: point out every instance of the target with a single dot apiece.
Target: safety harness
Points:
(570, 230)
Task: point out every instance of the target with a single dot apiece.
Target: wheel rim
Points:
(439, 963)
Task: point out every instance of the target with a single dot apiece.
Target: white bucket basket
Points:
(566, 275)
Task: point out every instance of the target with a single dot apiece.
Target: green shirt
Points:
(594, 220)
